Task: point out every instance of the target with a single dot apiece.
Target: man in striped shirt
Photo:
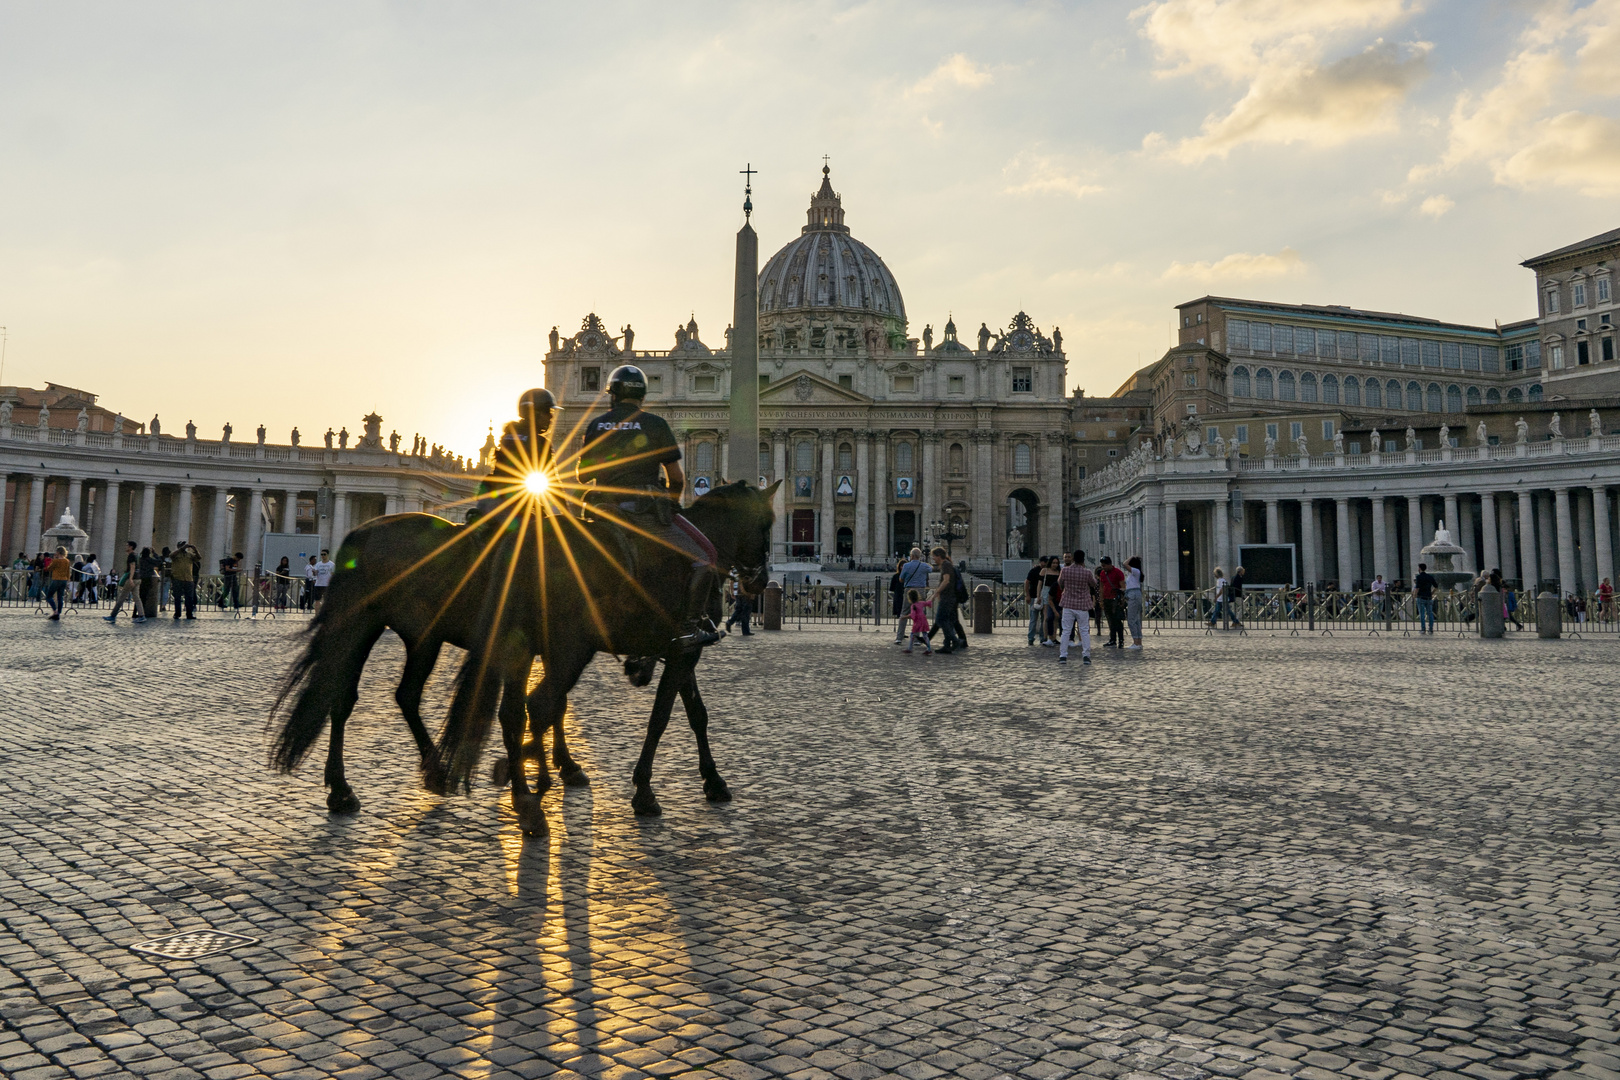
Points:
(1079, 584)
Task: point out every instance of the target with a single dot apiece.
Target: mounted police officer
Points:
(524, 449)
(633, 460)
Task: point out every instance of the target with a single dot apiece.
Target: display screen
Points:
(1267, 565)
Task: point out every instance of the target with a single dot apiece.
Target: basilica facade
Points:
(882, 438)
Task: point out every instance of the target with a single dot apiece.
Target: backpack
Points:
(961, 585)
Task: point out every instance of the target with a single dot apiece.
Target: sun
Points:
(536, 483)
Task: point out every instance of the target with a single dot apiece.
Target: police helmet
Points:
(627, 381)
(536, 400)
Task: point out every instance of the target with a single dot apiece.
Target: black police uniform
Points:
(624, 452)
(520, 451)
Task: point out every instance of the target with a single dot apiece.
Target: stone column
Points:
(289, 511)
(36, 515)
(182, 524)
(1465, 522)
(1414, 535)
(827, 442)
(880, 497)
(1547, 534)
(253, 549)
(390, 505)
(74, 495)
(1341, 509)
(1170, 573)
(1380, 538)
(1504, 536)
(219, 537)
(1057, 514)
(143, 521)
(982, 447)
(340, 519)
(1530, 572)
(779, 528)
(1153, 542)
(108, 548)
(1491, 552)
(1604, 545)
(1308, 540)
(930, 490)
(1453, 522)
(1588, 541)
(863, 496)
(1221, 519)
(1568, 580)
(1273, 523)
(724, 456)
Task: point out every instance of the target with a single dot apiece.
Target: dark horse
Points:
(420, 576)
(570, 598)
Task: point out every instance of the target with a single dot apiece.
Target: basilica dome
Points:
(826, 271)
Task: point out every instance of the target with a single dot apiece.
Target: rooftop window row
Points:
(1245, 336)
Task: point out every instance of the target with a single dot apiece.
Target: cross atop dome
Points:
(826, 208)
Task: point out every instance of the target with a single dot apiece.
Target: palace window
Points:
(1431, 400)
(905, 384)
(804, 456)
(958, 459)
(1515, 395)
(1608, 348)
(1532, 354)
(1304, 341)
(1211, 434)
(1296, 429)
(1260, 336)
(956, 384)
(1327, 430)
(1237, 335)
(1603, 290)
(764, 459)
(1515, 357)
(1450, 355)
(1022, 380)
(1262, 384)
(1473, 396)
(846, 382)
(1579, 294)
(1493, 396)
(1489, 358)
(1389, 350)
(1271, 431)
(1431, 353)
(903, 459)
(1470, 357)
(1374, 393)
(1409, 352)
(1330, 389)
(705, 384)
(1023, 460)
(1285, 386)
(1241, 435)
(705, 457)
(1307, 387)
(1367, 347)
(1327, 344)
(846, 457)
(1535, 392)
(1392, 395)
(1282, 339)
(1240, 382)
(1454, 398)
(1552, 301)
(1583, 353)
(1555, 357)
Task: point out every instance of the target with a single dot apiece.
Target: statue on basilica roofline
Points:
(118, 421)
(1304, 447)
(5, 412)
(1411, 438)
(1217, 448)
(1445, 435)
(1057, 340)
(343, 438)
(393, 442)
(1594, 422)
(1523, 430)
(984, 337)
(191, 431)
(153, 429)
(295, 436)
(555, 337)
(228, 430)
(928, 338)
(1376, 445)
(329, 434)
(1555, 427)
(1479, 434)
(629, 338)
(1271, 445)
(44, 418)
(260, 434)
(1338, 442)
(83, 423)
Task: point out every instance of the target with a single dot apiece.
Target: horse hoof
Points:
(342, 801)
(436, 779)
(574, 776)
(645, 803)
(639, 669)
(501, 772)
(531, 817)
(716, 791)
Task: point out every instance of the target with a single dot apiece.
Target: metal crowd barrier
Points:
(263, 598)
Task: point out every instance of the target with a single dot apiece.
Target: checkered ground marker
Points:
(193, 944)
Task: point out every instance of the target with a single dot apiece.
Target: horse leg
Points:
(676, 667)
(419, 662)
(548, 703)
(340, 797)
(568, 770)
(514, 720)
(714, 786)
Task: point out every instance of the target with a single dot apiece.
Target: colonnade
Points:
(1562, 537)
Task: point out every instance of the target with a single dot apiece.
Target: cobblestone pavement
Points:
(1231, 857)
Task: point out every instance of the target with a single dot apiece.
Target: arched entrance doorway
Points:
(1024, 525)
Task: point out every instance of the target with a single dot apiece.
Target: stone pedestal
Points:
(1549, 616)
(770, 611)
(984, 610)
(1492, 623)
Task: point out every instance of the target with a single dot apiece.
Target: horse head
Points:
(737, 519)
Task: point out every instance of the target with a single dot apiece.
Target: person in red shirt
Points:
(1111, 584)
(1606, 600)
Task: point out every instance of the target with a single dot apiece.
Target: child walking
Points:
(919, 622)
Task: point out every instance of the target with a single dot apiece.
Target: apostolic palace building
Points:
(1345, 433)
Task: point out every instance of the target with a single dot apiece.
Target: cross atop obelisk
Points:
(743, 432)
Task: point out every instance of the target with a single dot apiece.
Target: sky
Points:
(295, 213)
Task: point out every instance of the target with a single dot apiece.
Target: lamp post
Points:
(952, 528)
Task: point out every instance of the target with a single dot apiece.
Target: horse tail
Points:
(472, 710)
(321, 681)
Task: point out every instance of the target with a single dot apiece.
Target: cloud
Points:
(1277, 50)
(1436, 205)
(1038, 174)
(1317, 105)
(1574, 149)
(1537, 126)
(953, 71)
(1238, 267)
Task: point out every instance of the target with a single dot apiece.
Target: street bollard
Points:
(771, 612)
(1492, 623)
(1549, 616)
(1310, 605)
(984, 610)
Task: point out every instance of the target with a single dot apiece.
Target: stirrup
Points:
(698, 634)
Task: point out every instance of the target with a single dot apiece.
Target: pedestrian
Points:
(1510, 605)
(742, 608)
(898, 605)
(1218, 596)
(283, 581)
(149, 568)
(1423, 587)
(164, 578)
(92, 579)
(1380, 595)
(1134, 581)
(184, 566)
(306, 599)
(913, 575)
(1035, 597)
(1054, 599)
(947, 600)
(1234, 598)
(1605, 595)
(1078, 583)
(917, 612)
(58, 573)
(129, 586)
(229, 570)
(1111, 584)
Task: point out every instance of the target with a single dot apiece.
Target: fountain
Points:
(66, 533)
(1439, 555)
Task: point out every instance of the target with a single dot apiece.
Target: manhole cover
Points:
(191, 945)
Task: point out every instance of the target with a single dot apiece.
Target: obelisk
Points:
(743, 435)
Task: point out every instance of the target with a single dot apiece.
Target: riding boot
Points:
(697, 630)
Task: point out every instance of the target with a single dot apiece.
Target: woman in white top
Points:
(1133, 600)
(1218, 595)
